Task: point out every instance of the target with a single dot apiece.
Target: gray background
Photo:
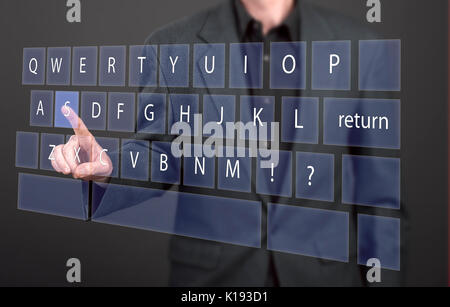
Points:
(34, 247)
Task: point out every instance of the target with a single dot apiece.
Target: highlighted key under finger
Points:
(68, 103)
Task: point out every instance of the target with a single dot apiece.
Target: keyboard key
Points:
(288, 65)
(165, 167)
(300, 120)
(276, 180)
(56, 196)
(174, 66)
(315, 176)
(112, 150)
(182, 108)
(310, 232)
(209, 65)
(27, 149)
(199, 170)
(152, 113)
(66, 100)
(58, 65)
(371, 181)
(380, 65)
(217, 111)
(33, 70)
(235, 172)
(135, 159)
(84, 66)
(246, 69)
(259, 111)
(212, 218)
(143, 65)
(331, 65)
(379, 237)
(362, 122)
(112, 66)
(41, 108)
(93, 110)
(121, 108)
(48, 144)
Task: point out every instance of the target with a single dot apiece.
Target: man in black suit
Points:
(197, 262)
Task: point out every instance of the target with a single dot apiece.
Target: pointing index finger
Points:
(75, 121)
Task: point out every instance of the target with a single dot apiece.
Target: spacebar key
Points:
(54, 195)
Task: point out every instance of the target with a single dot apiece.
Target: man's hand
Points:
(81, 156)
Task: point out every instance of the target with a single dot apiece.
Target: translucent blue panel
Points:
(58, 65)
(288, 65)
(206, 217)
(246, 69)
(66, 100)
(182, 108)
(371, 181)
(199, 170)
(112, 147)
(315, 176)
(362, 122)
(135, 160)
(380, 65)
(300, 120)
(143, 65)
(112, 66)
(209, 65)
(165, 167)
(218, 110)
(174, 66)
(276, 180)
(52, 195)
(48, 143)
(33, 70)
(379, 237)
(151, 113)
(309, 232)
(84, 66)
(260, 112)
(235, 173)
(93, 110)
(331, 65)
(27, 149)
(41, 108)
(121, 108)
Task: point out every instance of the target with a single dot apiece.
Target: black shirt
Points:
(250, 30)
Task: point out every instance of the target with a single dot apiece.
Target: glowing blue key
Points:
(66, 100)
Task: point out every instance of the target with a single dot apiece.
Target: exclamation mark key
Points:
(273, 177)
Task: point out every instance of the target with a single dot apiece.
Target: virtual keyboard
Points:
(130, 97)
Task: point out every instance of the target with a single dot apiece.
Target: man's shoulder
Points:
(185, 30)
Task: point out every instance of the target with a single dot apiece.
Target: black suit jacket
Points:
(197, 262)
